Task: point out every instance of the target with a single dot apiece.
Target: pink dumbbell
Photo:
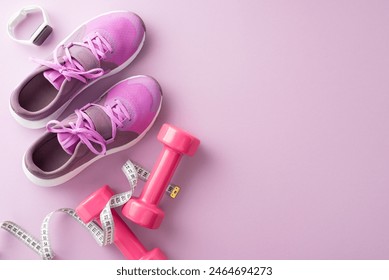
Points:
(124, 238)
(144, 209)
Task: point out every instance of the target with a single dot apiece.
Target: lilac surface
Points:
(290, 100)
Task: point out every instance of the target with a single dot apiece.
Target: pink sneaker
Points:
(118, 120)
(98, 48)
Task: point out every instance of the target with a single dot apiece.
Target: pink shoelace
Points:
(84, 130)
(70, 68)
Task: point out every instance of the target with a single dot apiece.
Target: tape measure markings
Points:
(21, 234)
(117, 200)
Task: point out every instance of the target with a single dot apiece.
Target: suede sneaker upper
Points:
(118, 120)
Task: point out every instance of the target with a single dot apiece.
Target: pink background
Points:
(290, 100)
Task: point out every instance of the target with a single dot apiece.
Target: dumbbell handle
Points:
(160, 175)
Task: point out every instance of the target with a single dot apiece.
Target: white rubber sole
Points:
(60, 180)
(42, 122)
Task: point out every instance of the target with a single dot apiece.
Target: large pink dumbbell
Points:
(124, 238)
(144, 209)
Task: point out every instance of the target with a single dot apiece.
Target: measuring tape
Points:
(103, 235)
(42, 247)
(117, 200)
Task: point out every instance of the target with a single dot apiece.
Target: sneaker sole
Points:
(42, 122)
(60, 180)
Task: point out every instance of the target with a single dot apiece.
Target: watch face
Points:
(42, 35)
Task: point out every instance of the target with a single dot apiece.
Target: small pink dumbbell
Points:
(124, 238)
(144, 209)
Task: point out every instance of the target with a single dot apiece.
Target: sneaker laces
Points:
(71, 68)
(84, 130)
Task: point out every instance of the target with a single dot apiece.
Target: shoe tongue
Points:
(54, 77)
(82, 55)
(100, 121)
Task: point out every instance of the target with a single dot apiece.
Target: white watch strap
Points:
(40, 34)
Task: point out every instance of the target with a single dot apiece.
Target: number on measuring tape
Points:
(25, 237)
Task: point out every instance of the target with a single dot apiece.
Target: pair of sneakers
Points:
(117, 120)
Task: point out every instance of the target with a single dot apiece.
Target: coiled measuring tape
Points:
(103, 235)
